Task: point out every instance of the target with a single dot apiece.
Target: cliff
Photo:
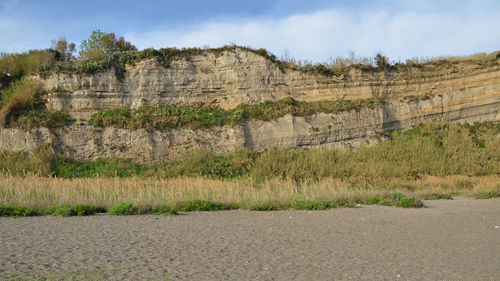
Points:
(463, 92)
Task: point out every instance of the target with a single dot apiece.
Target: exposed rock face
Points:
(234, 77)
(346, 129)
(466, 94)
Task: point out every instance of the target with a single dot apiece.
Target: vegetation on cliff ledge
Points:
(162, 117)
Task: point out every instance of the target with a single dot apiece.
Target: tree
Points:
(101, 44)
(64, 51)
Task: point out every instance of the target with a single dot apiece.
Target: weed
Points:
(311, 205)
(123, 209)
(164, 209)
(410, 202)
(16, 211)
(204, 205)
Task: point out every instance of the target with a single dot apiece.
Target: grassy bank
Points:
(201, 194)
(436, 149)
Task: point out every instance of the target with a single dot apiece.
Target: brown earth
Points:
(448, 240)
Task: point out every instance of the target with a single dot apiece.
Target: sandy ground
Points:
(449, 240)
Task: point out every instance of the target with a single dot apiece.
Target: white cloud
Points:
(398, 32)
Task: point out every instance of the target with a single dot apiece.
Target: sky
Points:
(306, 30)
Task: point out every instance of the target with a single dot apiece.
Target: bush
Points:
(123, 209)
(16, 211)
(163, 209)
(409, 203)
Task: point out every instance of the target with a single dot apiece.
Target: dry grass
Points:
(35, 191)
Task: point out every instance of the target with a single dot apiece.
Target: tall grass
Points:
(17, 65)
(437, 149)
(34, 191)
(21, 94)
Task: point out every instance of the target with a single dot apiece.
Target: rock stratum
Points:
(459, 92)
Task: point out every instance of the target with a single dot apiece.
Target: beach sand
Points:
(447, 240)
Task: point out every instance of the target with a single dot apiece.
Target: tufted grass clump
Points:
(204, 205)
(123, 209)
(164, 209)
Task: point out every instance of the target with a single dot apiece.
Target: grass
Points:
(163, 209)
(454, 148)
(21, 95)
(201, 194)
(204, 205)
(163, 117)
(123, 209)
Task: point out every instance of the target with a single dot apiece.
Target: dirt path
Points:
(449, 240)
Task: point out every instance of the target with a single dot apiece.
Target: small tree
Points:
(64, 51)
(102, 44)
(381, 61)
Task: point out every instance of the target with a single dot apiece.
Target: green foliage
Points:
(312, 205)
(16, 211)
(203, 205)
(381, 61)
(488, 195)
(123, 209)
(15, 66)
(437, 196)
(78, 210)
(405, 155)
(101, 44)
(342, 202)
(34, 118)
(163, 117)
(409, 203)
(164, 209)
(21, 164)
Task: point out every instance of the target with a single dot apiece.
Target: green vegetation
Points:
(78, 210)
(437, 196)
(162, 117)
(312, 205)
(454, 149)
(203, 205)
(123, 209)
(16, 211)
(101, 44)
(164, 209)
(395, 199)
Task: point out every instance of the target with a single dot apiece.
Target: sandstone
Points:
(466, 94)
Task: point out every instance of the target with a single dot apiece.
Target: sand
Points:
(448, 240)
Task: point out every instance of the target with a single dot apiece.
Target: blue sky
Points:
(314, 30)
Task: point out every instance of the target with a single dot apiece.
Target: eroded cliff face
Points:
(466, 94)
(238, 76)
